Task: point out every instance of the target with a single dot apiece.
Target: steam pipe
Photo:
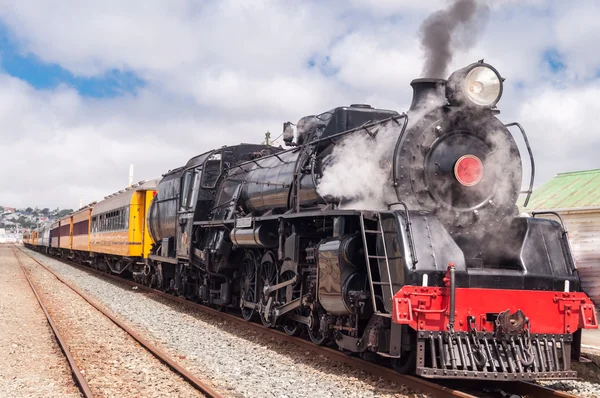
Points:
(452, 271)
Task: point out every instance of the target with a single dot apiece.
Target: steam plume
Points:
(446, 30)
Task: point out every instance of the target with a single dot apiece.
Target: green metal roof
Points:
(579, 189)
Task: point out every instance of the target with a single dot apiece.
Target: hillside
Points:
(13, 219)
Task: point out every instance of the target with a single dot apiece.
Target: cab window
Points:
(187, 190)
(211, 171)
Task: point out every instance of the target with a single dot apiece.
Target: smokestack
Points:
(427, 93)
(444, 31)
(130, 175)
(80, 202)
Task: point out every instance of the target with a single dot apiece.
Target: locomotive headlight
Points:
(478, 84)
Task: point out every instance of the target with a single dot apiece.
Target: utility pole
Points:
(267, 137)
(131, 174)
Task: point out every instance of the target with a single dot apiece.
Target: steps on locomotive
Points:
(376, 268)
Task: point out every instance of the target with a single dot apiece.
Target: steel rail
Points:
(157, 352)
(413, 382)
(79, 379)
(521, 388)
(536, 390)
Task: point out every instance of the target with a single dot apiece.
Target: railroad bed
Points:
(106, 360)
(233, 358)
(31, 363)
(239, 360)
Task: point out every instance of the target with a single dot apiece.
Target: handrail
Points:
(329, 138)
(565, 233)
(532, 177)
(409, 230)
(395, 158)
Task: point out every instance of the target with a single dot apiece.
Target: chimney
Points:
(428, 93)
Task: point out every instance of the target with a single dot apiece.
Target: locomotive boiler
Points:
(433, 270)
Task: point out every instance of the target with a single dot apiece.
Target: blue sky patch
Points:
(323, 64)
(554, 60)
(42, 75)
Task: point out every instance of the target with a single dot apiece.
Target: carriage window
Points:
(211, 171)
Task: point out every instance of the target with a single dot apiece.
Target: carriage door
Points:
(185, 215)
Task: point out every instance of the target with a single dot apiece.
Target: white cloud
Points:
(224, 72)
(563, 127)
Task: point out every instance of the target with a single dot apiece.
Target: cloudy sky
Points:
(88, 87)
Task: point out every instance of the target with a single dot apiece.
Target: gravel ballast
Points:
(238, 361)
(112, 362)
(31, 362)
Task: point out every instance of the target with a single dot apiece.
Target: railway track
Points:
(77, 375)
(464, 389)
(192, 379)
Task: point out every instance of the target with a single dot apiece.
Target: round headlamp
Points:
(478, 84)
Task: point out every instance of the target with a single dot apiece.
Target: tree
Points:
(64, 212)
(28, 210)
(45, 211)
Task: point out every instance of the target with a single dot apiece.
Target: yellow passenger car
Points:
(64, 233)
(80, 229)
(118, 234)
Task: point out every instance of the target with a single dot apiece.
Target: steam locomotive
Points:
(438, 274)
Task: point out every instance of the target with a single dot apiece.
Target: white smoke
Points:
(358, 173)
(358, 170)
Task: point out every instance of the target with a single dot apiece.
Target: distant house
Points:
(576, 197)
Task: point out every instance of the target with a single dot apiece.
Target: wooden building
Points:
(576, 197)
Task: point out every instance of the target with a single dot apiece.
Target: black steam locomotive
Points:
(441, 276)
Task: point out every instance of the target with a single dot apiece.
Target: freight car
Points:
(433, 270)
